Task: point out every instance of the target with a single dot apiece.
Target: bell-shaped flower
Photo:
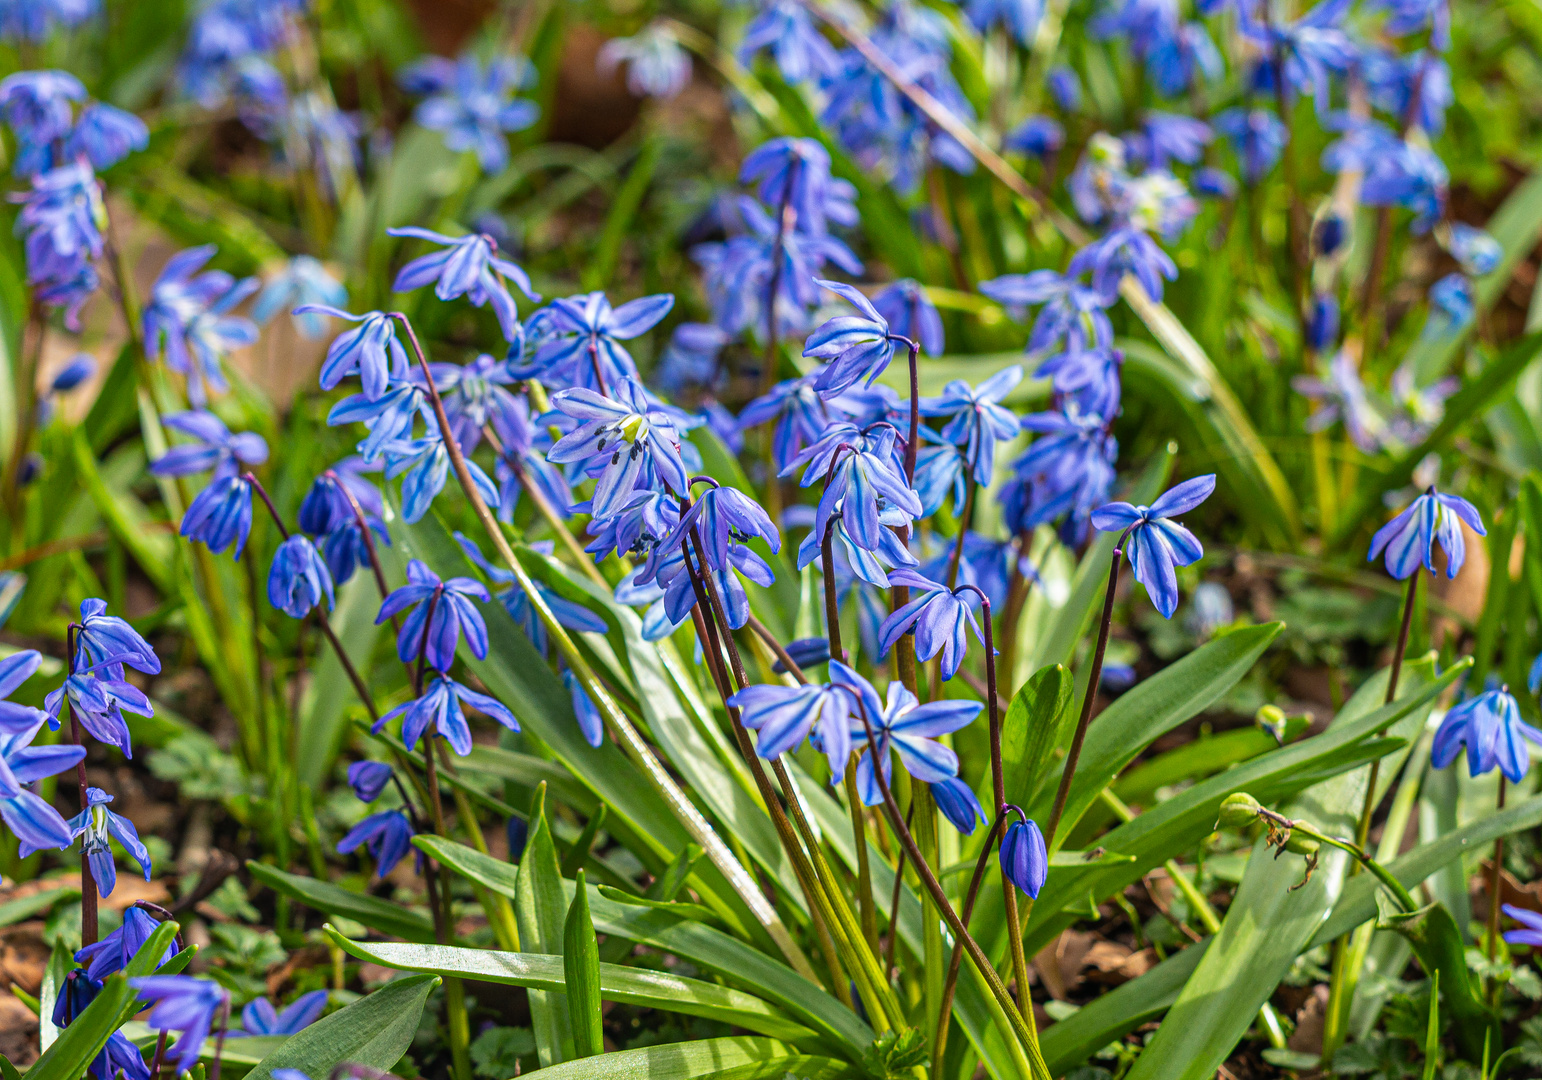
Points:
(1072, 312)
(1024, 859)
(467, 266)
(1531, 926)
(938, 617)
(452, 610)
(97, 825)
(439, 711)
(647, 520)
(1491, 728)
(261, 1018)
(113, 952)
(328, 502)
(387, 836)
(216, 448)
(976, 419)
(371, 350)
(389, 418)
(621, 435)
(98, 703)
(35, 823)
(304, 282)
(795, 172)
(1409, 539)
(784, 716)
(911, 314)
(1157, 544)
(473, 103)
(724, 516)
(424, 465)
(182, 1003)
(940, 471)
(299, 578)
(585, 334)
(856, 346)
(959, 804)
(368, 779)
(902, 726)
(221, 515)
(1125, 250)
(866, 486)
(679, 592)
(871, 566)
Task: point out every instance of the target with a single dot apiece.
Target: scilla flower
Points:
(656, 65)
(182, 1003)
(221, 515)
(439, 710)
(99, 703)
(856, 346)
(958, 804)
(424, 465)
(386, 835)
(901, 725)
(1531, 923)
(938, 617)
(260, 1018)
(467, 266)
(370, 350)
(114, 951)
(786, 715)
(724, 515)
(368, 779)
(35, 823)
(623, 435)
(453, 613)
(15, 670)
(976, 420)
(583, 346)
(97, 823)
(303, 282)
(1024, 860)
(1491, 728)
(299, 578)
(106, 639)
(1410, 538)
(215, 448)
(1156, 544)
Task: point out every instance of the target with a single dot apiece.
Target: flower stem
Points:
(1363, 826)
(956, 958)
(1395, 887)
(1087, 698)
(621, 729)
(1495, 882)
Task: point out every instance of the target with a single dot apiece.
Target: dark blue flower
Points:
(1409, 176)
(518, 832)
(958, 804)
(425, 465)
(795, 173)
(1213, 183)
(589, 720)
(106, 135)
(39, 107)
(453, 613)
(98, 704)
(97, 824)
(105, 639)
(1125, 250)
(1024, 860)
(937, 617)
(571, 615)
(1433, 518)
(475, 104)
(439, 711)
(328, 502)
(386, 835)
(368, 779)
(1065, 88)
(114, 951)
(911, 314)
(260, 1018)
(800, 51)
(35, 823)
(467, 266)
(1067, 472)
(299, 578)
(798, 412)
(1313, 47)
(1322, 324)
(1020, 17)
(783, 716)
(221, 515)
(866, 487)
(1491, 728)
(725, 515)
(370, 349)
(182, 1003)
(1258, 137)
(1156, 543)
(1037, 136)
(623, 436)
(15, 670)
(1072, 312)
(905, 727)
(389, 419)
(586, 333)
(216, 448)
(976, 420)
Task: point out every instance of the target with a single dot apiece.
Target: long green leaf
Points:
(630, 986)
(540, 909)
(1438, 943)
(373, 912)
(736, 1057)
(375, 1030)
(1036, 723)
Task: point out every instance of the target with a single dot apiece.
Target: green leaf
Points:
(1037, 722)
(629, 986)
(373, 912)
(1438, 944)
(540, 909)
(581, 968)
(60, 962)
(737, 1057)
(1173, 695)
(375, 1030)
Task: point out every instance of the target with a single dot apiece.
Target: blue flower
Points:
(1156, 543)
(1491, 728)
(958, 804)
(1067, 472)
(99, 704)
(305, 286)
(855, 346)
(106, 135)
(589, 720)
(114, 951)
(328, 502)
(1071, 312)
(1313, 47)
(656, 65)
(1213, 183)
(426, 465)
(453, 614)
(937, 617)
(795, 173)
(216, 449)
(1342, 396)
(1065, 88)
(186, 320)
(34, 20)
(690, 358)
(105, 639)
(389, 418)
(473, 395)
(976, 420)
(799, 49)
(1021, 17)
(260, 1018)
(1037, 136)
(905, 727)
(371, 350)
(1322, 324)
(798, 412)
(439, 710)
(1451, 305)
(567, 613)
(725, 515)
(1410, 538)
(186, 1004)
(1257, 135)
(221, 515)
(1090, 378)
(680, 597)
(786, 715)
(1024, 860)
(1477, 251)
(34, 822)
(467, 266)
(940, 469)
(806, 653)
(475, 105)
(911, 314)
(15, 670)
(1166, 137)
(583, 345)
(97, 823)
(62, 219)
(1125, 250)
(1532, 922)
(1410, 176)
(39, 107)
(866, 487)
(299, 578)
(387, 836)
(368, 779)
(627, 437)
(1405, 17)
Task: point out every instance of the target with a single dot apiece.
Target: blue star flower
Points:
(1037, 136)
(940, 469)
(910, 313)
(39, 107)
(1491, 728)
(585, 334)
(467, 266)
(474, 105)
(798, 412)
(1024, 859)
(216, 449)
(623, 436)
(937, 616)
(1156, 543)
(425, 462)
(221, 515)
(786, 715)
(182, 1003)
(866, 486)
(1257, 136)
(389, 418)
(105, 135)
(260, 1018)
(1531, 921)
(1433, 518)
(795, 173)
(299, 578)
(902, 726)
(114, 951)
(800, 51)
(99, 703)
(453, 614)
(34, 822)
(15, 670)
(97, 823)
(35, 20)
(105, 639)
(368, 779)
(371, 350)
(1342, 396)
(855, 346)
(186, 319)
(1125, 250)
(439, 711)
(976, 420)
(725, 515)
(1021, 17)
(656, 65)
(386, 835)
(1068, 471)
(1072, 311)
(589, 720)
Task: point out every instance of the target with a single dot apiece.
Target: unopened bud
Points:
(1238, 811)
